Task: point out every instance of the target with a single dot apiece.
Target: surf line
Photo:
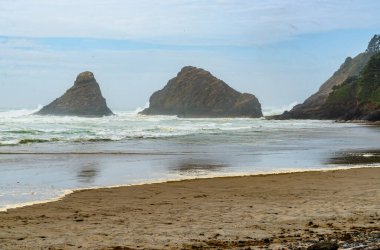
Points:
(96, 153)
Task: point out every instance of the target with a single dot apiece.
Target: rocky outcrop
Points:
(324, 246)
(374, 44)
(82, 99)
(311, 108)
(195, 92)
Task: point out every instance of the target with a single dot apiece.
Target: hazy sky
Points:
(281, 51)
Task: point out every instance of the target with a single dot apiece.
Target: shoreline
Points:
(287, 210)
(227, 175)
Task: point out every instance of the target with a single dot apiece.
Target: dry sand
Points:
(269, 211)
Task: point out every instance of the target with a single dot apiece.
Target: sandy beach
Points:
(266, 211)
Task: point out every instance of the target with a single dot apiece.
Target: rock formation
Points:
(311, 108)
(82, 99)
(324, 245)
(195, 92)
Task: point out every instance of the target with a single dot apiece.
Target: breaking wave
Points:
(268, 111)
(21, 127)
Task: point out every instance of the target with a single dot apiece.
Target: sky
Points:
(281, 51)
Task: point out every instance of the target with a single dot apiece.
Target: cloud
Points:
(186, 22)
(134, 47)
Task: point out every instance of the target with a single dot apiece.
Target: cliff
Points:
(358, 98)
(311, 107)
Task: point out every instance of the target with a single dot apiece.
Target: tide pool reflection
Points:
(362, 157)
(88, 173)
(196, 167)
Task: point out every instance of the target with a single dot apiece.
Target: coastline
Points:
(179, 179)
(270, 210)
(164, 149)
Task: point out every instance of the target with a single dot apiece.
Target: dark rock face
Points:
(324, 246)
(82, 99)
(311, 108)
(194, 92)
(373, 116)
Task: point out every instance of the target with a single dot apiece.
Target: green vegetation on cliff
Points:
(352, 92)
(369, 81)
(345, 92)
(357, 96)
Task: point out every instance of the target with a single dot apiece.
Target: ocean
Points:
(43, 158)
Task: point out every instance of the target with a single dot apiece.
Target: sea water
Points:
(44, 157)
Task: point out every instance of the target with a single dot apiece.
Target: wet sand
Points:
(268, 211)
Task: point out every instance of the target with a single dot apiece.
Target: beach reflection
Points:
(87, 173)
(196, 167)
(369, 157)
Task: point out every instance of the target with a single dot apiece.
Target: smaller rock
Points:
(83, 99)
(324, 246)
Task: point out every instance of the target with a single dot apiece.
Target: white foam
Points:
(368, 155)
(18, 112)
(9, 142)
(268, 111)
(131, 125)
(30, 203)
(139, 109)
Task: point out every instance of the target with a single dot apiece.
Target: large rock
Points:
(82, 99)
(194, 92)
(311, 108)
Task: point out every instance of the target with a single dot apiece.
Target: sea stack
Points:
(314, 107)
(195, 92)
(82, 99)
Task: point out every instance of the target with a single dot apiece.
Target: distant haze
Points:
(281, 51)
